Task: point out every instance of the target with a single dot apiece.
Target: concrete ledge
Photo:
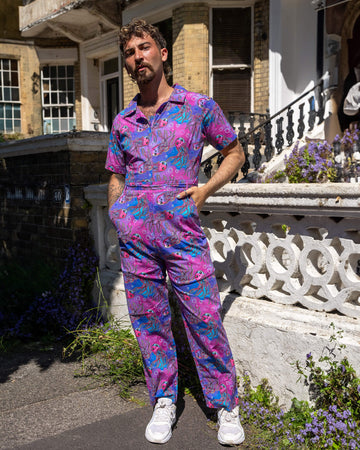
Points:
(86, 141)
(267, 338)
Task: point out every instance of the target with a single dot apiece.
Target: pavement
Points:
(43, 405)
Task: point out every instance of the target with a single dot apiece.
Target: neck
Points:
(155, 91)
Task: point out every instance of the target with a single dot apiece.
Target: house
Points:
(250, 55)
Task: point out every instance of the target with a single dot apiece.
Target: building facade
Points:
(62, 70)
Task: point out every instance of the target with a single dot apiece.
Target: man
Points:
(155, 153)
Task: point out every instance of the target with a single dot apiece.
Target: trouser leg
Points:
(200, 308)
(150, 316)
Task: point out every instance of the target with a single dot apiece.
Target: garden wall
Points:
(42, 204)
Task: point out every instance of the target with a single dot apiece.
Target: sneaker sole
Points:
(158, 441)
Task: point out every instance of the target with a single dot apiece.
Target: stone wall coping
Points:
(71, 141)
(334, 199)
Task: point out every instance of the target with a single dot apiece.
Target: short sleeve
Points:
(115, 160)
(216, 128)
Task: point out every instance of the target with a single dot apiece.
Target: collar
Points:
(178, 95)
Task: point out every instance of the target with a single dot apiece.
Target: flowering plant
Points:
(311, 163)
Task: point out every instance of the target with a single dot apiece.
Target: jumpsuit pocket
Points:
(115, 206)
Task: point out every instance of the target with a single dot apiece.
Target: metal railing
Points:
(260, 137)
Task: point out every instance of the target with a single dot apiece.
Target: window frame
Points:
(103, 91)
(222, 67)
(11, 102)
(58, 105)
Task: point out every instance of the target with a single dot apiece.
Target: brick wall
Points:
(42, 208)
(191, 47)
(261, 57)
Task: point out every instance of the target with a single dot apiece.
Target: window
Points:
(58, 99)
(110, 91)
(10, 120)
(231, 58)
(165, 28)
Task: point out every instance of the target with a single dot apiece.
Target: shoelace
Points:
(162, 411)
(228, 416)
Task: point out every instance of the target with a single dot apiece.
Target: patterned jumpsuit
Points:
(159, 233)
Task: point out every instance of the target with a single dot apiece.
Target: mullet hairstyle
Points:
(139, 27)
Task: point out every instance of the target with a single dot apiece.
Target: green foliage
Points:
(108, 351)
(332, 381)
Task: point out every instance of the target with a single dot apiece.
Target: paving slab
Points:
(44, 406)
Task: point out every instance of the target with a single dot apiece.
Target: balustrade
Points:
(290, 244)
(256, 132)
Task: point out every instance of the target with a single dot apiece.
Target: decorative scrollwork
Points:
(297, 263)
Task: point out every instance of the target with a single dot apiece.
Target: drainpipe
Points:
(320, 43)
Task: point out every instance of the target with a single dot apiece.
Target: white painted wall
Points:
(292, 55)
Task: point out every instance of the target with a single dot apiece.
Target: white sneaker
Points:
(159, 428)
(230, 430)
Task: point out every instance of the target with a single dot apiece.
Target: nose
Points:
(138, 55)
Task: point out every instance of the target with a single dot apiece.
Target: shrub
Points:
(311, 163)
(63, 305)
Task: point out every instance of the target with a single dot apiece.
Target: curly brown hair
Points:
(139, 27)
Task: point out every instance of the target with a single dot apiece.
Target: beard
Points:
(146, 76)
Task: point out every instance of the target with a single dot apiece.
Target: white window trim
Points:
(102, 89)
(51, 105)
(14, 102)
(250, 66)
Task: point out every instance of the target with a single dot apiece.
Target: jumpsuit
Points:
(160, 234)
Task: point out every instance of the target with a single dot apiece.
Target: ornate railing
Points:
(291, 244)
(273, 133)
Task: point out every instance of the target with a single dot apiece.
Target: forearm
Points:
(229, 167)
(115, 188)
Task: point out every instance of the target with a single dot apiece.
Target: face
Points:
(143, 58)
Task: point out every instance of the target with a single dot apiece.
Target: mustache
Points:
(141, 65)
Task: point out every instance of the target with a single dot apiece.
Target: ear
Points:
(164, 54)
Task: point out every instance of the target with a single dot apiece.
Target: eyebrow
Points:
(139, 45)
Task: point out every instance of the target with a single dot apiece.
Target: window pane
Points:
(62, 85)
(55, 124)
(231, 36)
(1, 111)
(17, 111)
(17, 126)
(70, 84)
(63, 111)
(6, 76)
(62, 97)
(6, 65)
(70, 97)
(8, 111)
(54, 85)
(53, 72)
(14, 65)
(7, 94)
(15, 94)
(2, 125)
(8, 126)
(55, 112)
(46, 112)
(70, 71)
(14, 79)
(64, 125)
(46, 72)
(46, 99)
(111, 66)
(54, 99)
(61, 71)
(72, 124)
